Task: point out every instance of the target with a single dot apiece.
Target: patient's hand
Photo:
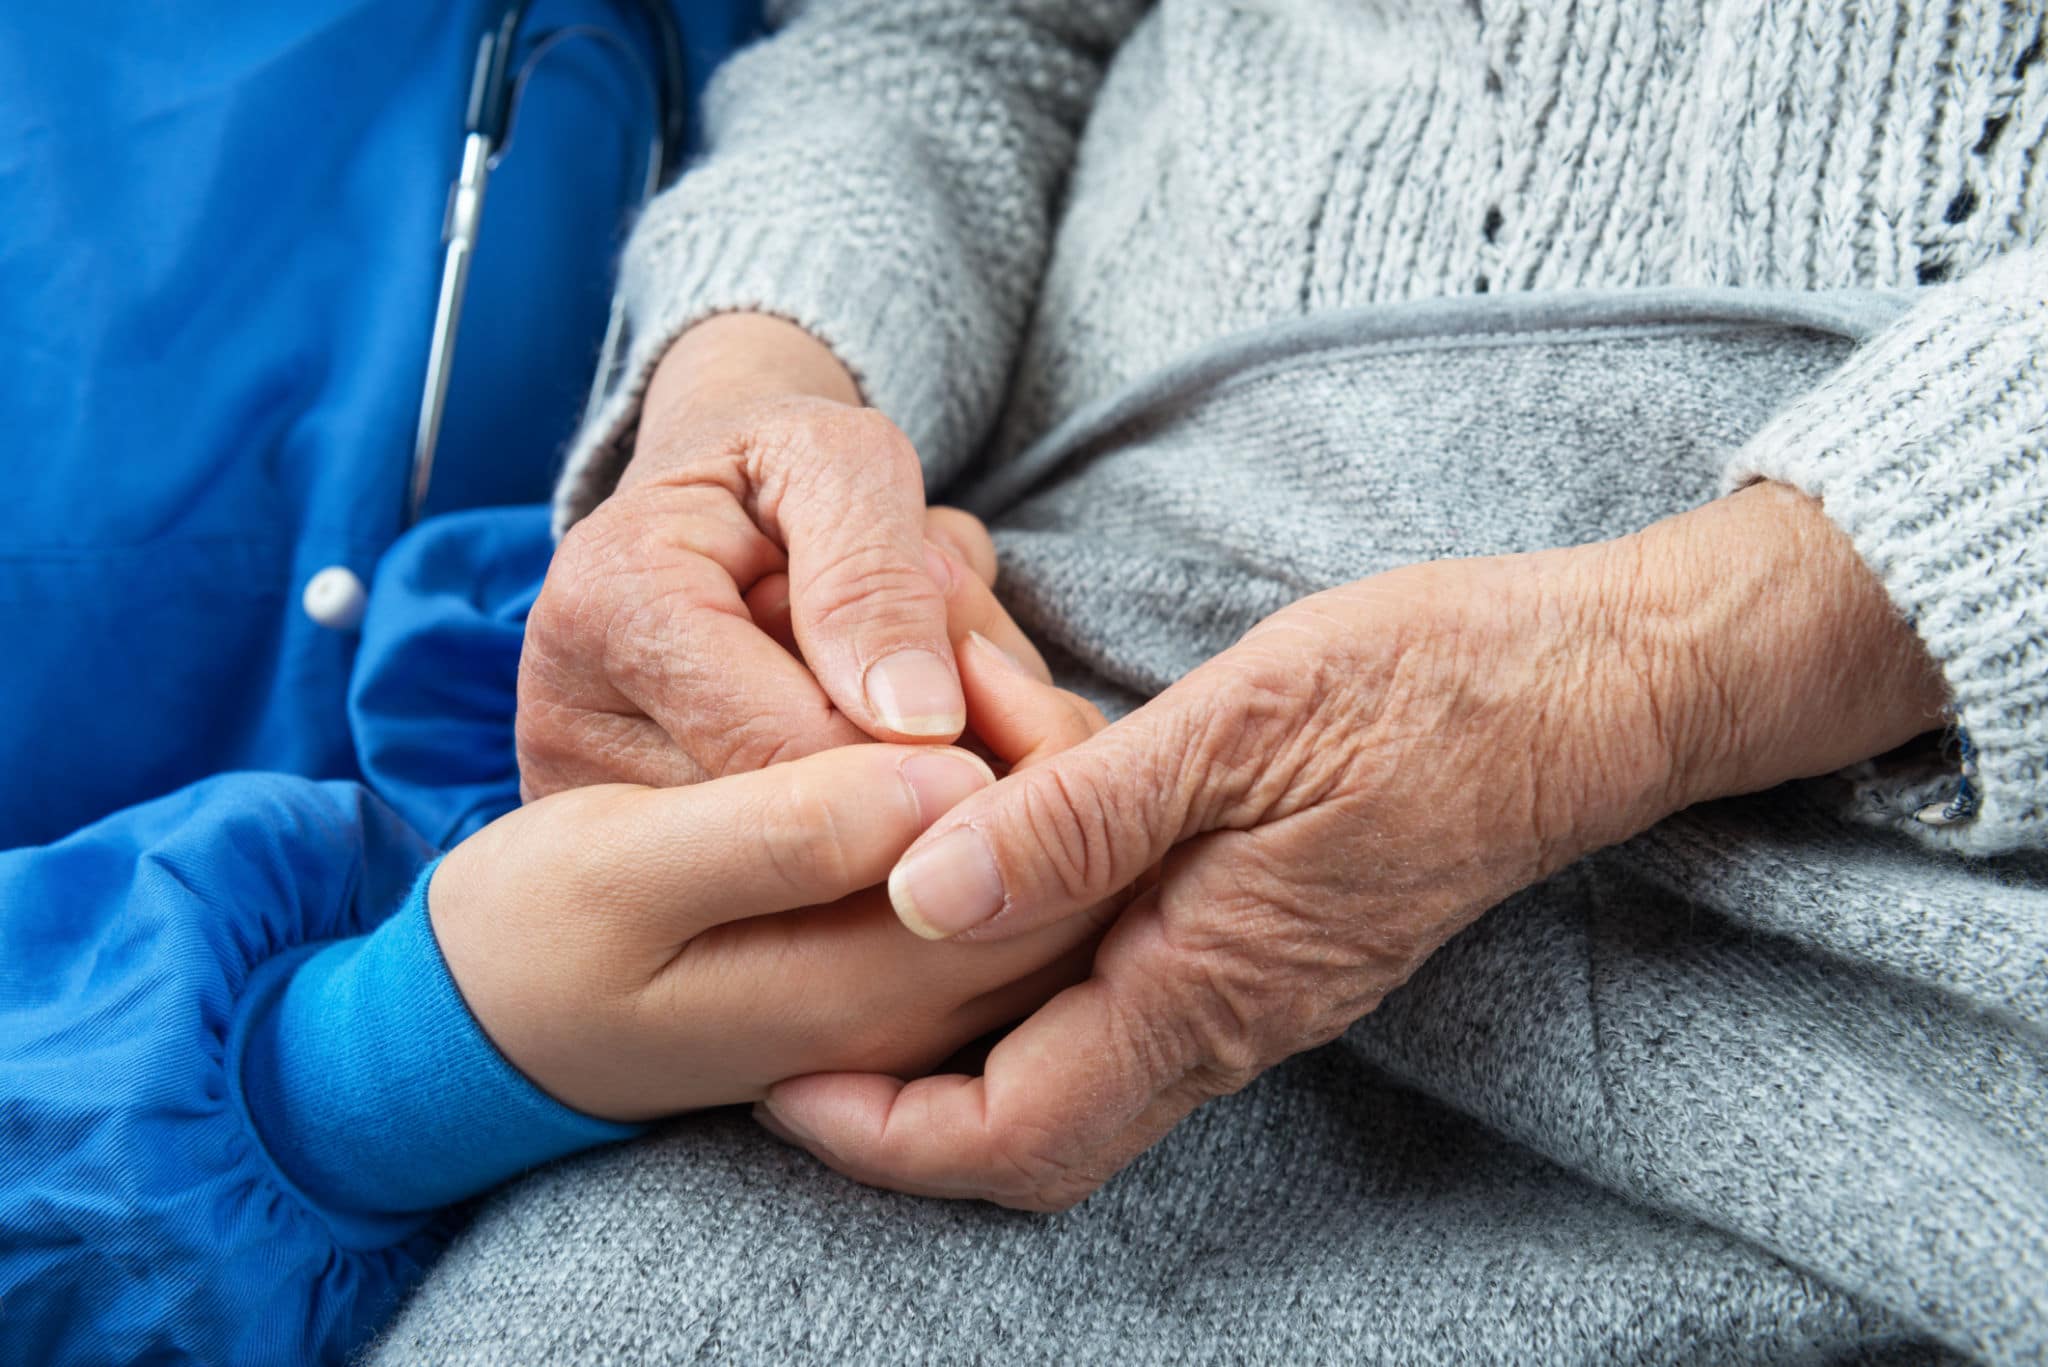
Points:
(638, 952)
(753, 458)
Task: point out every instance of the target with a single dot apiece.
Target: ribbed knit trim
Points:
(887, 182)
(375, 1092)
(866, 300)
(1930, 450)
(745, 266)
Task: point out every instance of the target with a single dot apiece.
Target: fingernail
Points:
(777, 1126)
(771, 614)
(938, 567)
(941, 779)
(948, 886)
(1004, 657)
(914, 693)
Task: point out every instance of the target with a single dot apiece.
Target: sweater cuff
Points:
(868, 291)
(1929, 449)
(375, 1092)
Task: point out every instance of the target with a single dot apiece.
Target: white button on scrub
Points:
(335, 598)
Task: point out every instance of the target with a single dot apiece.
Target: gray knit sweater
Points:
(1210, 305)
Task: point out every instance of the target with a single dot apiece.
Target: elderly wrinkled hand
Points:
(638, 952)
(758, 489)
(1361, 776)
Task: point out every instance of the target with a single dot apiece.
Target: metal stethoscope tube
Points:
(494, 97)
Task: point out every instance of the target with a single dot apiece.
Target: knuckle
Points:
(1227, 1025)
(765, 743)
(646, 632)
(868, 585)
(870, 434)
(539, 742)
(782, 446)
(1259, 983)
(1266, 702)
(562, 739)
(1031, 1173)
(1050, 1201)
(802, 835)
(572, 593)
(1274, 744)
(601, 586)
(1069, 830)
(610, 537)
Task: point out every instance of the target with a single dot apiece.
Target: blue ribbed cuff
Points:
(374, 1090)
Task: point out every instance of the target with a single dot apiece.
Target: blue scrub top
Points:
(217, 278)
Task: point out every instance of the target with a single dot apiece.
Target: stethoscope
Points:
(494, 91)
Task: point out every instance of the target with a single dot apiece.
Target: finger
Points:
(972, 606)
(859, 1118)
(704, 517)
(582, 748)
(796, 835)
(768, 604)
(963, 534)
(869, 619)
(1066, 1100)
(1059, 837)
(728, 693)
(653, 592)
(1019, 718)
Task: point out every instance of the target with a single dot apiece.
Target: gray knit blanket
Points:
(1768, 1083)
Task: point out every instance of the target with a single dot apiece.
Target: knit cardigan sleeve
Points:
(1929, 448)
(884, 174)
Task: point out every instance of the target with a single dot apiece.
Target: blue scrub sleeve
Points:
(376, 1092)
(234, 1084)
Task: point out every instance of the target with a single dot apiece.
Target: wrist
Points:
(734, 360)
(1761, 647)
(374, 1091)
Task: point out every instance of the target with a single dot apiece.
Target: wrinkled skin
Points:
(1358, 779)
(638, 952)
(1296, 825)
(758, 487)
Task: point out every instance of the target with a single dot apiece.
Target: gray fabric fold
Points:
(1766, 1084)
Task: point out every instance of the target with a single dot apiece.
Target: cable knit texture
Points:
(891, 177)
(1209, 305)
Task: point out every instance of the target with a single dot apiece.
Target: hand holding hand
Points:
(638, 952)
(754, 461)
(1360, 777)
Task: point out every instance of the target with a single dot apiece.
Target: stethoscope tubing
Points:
(495, 88)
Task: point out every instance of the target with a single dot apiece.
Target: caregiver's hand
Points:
(623, 947)
(753, 457)
(1335, 796)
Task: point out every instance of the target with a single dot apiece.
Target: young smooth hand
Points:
(638, 952)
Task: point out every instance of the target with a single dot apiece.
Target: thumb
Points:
(1057, 838)
(677, 861)
(867, 601)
